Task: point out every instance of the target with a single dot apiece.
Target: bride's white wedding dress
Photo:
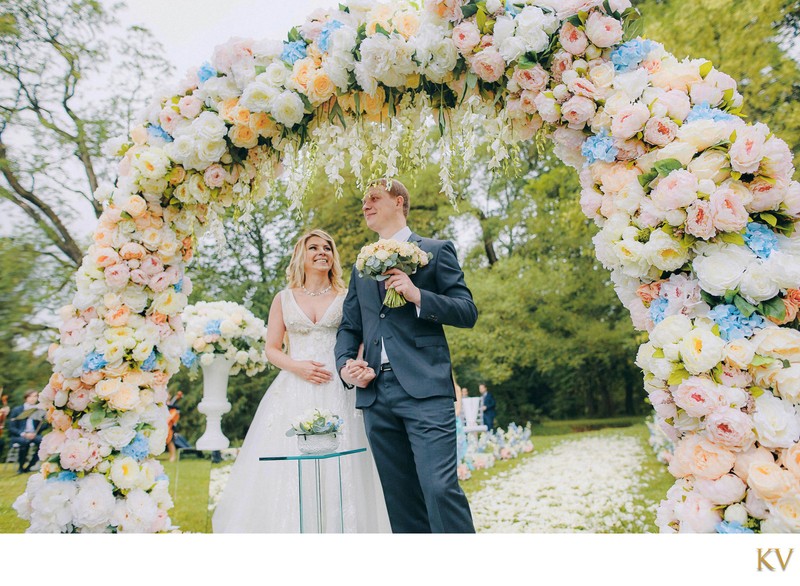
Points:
(262, 497)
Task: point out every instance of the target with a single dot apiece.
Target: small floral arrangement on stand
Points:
(383, 255)
(228, 329)
(317, 431)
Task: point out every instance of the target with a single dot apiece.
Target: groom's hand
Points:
(403, 285)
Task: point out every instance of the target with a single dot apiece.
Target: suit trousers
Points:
(413, 442)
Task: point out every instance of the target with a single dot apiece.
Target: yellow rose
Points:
(263, 124)
(243, 136)
(406, 23)
(240, 115)
(226, 108)
(301, 73)
(320, 87)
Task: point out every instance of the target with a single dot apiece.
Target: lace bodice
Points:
(309, 340)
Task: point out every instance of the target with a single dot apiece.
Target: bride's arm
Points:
(309, 370)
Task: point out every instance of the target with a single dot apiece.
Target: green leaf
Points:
(759, 360)
(526, 62)
(337, 111)
(294, 35)
(259, 69)
(727, 95)
(756, 391)
(666, 166)
(646, 178)
(344, 8)
(729, 295)
(469, 10)
(732, 238)
(678, 376)
(575, 20)
(745, 307)
(381, 30)
(774, 308)
(126, 215)
(480, 19)
(769, 219)
(659, 353)
(706, 68)
(97, 416)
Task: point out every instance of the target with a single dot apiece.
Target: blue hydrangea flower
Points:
(628, 56)
(94, 361)
(324, 40)
(658, 309)
(760, 239)
(732, 527)
(63, 476)
(511, 9)
(158, 132)
(149, 363)
(705, 112)
(599, 147)
(206, 72)
(188, 358)
(138, 449)
(293, 51)
(733, 325)
(212, 327)
(161, 477)
(179, 285)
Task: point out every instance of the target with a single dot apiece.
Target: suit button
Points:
(383, 315)
(376, 342)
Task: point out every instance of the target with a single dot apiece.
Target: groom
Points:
(408, 407)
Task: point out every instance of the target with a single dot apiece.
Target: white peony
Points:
(777, 422)
(287, 108)
(701, 350)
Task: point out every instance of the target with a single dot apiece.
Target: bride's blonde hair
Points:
(295, 272)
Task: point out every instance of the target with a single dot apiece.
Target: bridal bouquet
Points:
(375, 259)
(315, 422)
(227, 329)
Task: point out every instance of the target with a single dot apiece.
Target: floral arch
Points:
(696, 210)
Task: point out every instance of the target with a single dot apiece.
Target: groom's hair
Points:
(396, 189)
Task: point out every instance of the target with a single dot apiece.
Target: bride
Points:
(262, 496)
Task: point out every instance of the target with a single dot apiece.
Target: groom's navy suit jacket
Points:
(416, 346)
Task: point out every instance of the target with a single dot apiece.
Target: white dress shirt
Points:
(401, 236)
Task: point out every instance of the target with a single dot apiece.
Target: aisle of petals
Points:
(591, 484)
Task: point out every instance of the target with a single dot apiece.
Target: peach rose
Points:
(696, 456)
(769, 481)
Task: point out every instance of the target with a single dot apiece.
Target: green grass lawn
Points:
(189, 479)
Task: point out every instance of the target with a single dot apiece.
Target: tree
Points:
(58, 60)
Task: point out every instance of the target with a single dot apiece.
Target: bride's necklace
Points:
(316, 293)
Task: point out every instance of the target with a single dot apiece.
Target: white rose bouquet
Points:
(227, 329)
(375, 259)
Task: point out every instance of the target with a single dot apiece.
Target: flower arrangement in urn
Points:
(317, 432)
(227, 329)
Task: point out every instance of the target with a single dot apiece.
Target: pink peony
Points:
(748, 149)
(534, 79)
(152, 265)
(603, 31)
(696, 456)
(698, 220)
(731, 428)
(577, 111)
(727, 211)
(190, 106)
(159, 282)
(767, 195)
(466, 37)
(629, 121)
(488, 65)
(698, 396)
(573, 39)
(562, 61)
(117, 275)
(660, 131)
(676, 190)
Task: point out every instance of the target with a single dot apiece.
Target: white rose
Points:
(287, 108)
(632, 83)
(711, 165)
(671, 330)
(776, 421)
(787, 382)
(757, 283)
(701, 350)
(775, 342)
(784, 268)
(785, 516)
(257, 96)
(664, 252)
(276, 74)
(720, 269)
(739, 353)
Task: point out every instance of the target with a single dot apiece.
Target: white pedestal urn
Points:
(471, 407)
(215, 403)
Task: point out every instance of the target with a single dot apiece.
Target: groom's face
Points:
(380, 207)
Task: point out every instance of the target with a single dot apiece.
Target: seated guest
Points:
(25, 425)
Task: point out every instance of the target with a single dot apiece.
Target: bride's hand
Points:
(312, 371)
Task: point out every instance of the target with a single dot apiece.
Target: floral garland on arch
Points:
(224, 328)
(696, 209)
